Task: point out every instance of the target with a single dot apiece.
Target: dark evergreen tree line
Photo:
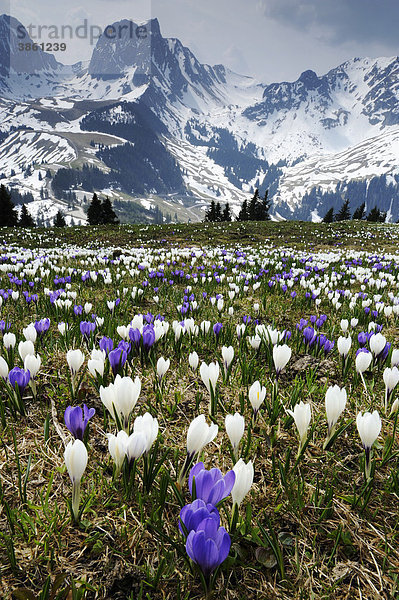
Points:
(101, 212)
(215, 214)
(375, 215)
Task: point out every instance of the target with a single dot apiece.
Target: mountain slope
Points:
(189, 132)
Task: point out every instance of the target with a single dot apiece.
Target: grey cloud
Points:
(340, 20)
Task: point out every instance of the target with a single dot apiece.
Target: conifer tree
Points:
(360, 212)
(376, 216)
(343, 214)
(59, 220)
(243, 215)
(329, 216)
(218, 213)
(25, 219)
(8, 214)
(108, 214)
(226, 215)
(210, 215)
(253, 206)
(94, 212)
(264, 207)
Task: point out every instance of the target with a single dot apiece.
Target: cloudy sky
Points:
(273, 40)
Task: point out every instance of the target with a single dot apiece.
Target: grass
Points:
(311, 526)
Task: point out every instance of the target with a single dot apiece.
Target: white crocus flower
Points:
(75, 457)
(227, 355)
(199, 434)
(369, 428)
(193, 360)
(162, 367)
(281, 356)
(335, 402)
(243, 482)
(235, 425)
(391, 380)
(302, 416)
(148, 425)
(257, 394)
(117, 445)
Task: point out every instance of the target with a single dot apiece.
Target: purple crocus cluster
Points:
(207, 543)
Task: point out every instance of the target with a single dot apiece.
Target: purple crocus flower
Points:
(19, 377)
(135, 336)
(4, 326)
(208, 546)
(328, 346)
(210, 486)
(87, 328)
(76, 420)
(148, 337)
(117, 359)
(362, 338)
(192, 514)
(217, 328)
(309, 336)
(106, 344)
(42, 326)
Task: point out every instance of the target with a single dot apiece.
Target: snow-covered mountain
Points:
(145, 119)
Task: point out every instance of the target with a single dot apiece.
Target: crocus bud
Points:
(244, 479)
(162, 366)
(95, 367)
(391, 379)
(32, 364)
(395, 358)
(369, 427)
(117, 445)
(227, 355)
(344, 345)
(136, 445)
(9, 341)
(149, 427)
(281, 356)
(30, 333)
(257, 394)
(3, 368)
(209, 375)
(75, 359)
(363, 361)
(75, 457)
(193, 360)
(377, 343)
(344, 325)
(301, 415)
(335, 403)
(235, 425)
(199, 434)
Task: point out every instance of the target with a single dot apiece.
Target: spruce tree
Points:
(94, 212)
(59, 220)
(8, 214)
(25, 219)
(376, 216)
(243, 215)
(218, 213)
(253, 206)
(329, 216)
(263, 208)
(210, 215)
(226, 216)
(343, 214)
(360, 212)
